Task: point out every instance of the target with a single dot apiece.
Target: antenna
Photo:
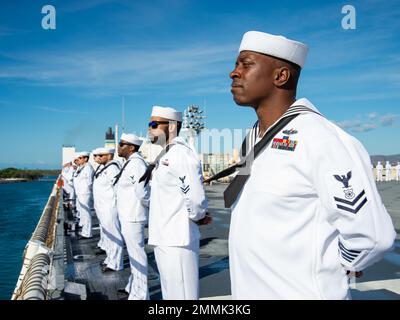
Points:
(205, 107)
(123, 114)
(193, 123)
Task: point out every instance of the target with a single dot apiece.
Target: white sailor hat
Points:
(276, 46)
(131, 138)
(111, 150)
(82, 154)
(102, 151)
(166, 113)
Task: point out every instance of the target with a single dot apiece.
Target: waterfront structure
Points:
(68, 153)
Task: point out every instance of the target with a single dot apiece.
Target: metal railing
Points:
(34, 283)
(37, 257)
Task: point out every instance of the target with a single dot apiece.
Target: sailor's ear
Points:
(173, 127)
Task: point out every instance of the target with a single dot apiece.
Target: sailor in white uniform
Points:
(76, 203)
(102, 241)
(305, 207)
(67, 174)
(379, 172)
(398, 171)
(133, 206)
(177, 204)
(388, 169)
(105, 204)
(83, 180)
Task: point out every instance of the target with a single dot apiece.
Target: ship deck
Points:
(84, 279)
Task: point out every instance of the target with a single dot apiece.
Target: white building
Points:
(68, 154)
(149, 151)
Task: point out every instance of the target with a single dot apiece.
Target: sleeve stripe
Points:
(348, 250)
(347, 259)
(353, 210)
(344, 255)
(351, 203)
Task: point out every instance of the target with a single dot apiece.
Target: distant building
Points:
(68, 154)
(149, 151)
(213, 163)
(110, 139)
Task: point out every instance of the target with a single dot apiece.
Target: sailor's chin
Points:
(241, 102)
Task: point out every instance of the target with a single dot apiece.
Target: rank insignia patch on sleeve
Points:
(284, 144)
(352, 202)
(185, 188)
(348, 255)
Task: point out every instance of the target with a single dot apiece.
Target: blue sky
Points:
(65, 86)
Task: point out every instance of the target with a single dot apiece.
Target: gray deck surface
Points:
(381, 281)
(83, 265)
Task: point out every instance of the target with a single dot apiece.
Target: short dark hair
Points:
(178, 127)
(136, 147)
(295, 71)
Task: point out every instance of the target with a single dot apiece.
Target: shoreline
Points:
(14, 180)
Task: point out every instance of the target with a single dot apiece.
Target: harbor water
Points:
(21, 205)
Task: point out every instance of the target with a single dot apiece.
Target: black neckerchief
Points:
(118, 176)
(97, 169)
(97, 174)
(147, 175)
(78, 172)
(234, 188)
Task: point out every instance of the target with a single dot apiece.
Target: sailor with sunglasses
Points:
(105, 203)
(177, 204)
(133, 205)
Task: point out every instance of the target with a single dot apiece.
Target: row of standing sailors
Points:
(122, 204)
(389, 170)
(98, 190)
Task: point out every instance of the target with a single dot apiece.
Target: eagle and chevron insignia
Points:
(184, 188)
(345, 179)
(351, 203)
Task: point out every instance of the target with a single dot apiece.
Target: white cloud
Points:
(120, 68)
(388, 120)
(370, 122)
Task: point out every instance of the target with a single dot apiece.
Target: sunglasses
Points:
(121, 144)
(98, 155)
(155, 124)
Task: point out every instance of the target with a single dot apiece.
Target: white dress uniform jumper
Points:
(105, 204)
(177, 202)
(67, 174)
(102, 241)
(83, 181)
(132, 204)
(74, 181)
(309, 211)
